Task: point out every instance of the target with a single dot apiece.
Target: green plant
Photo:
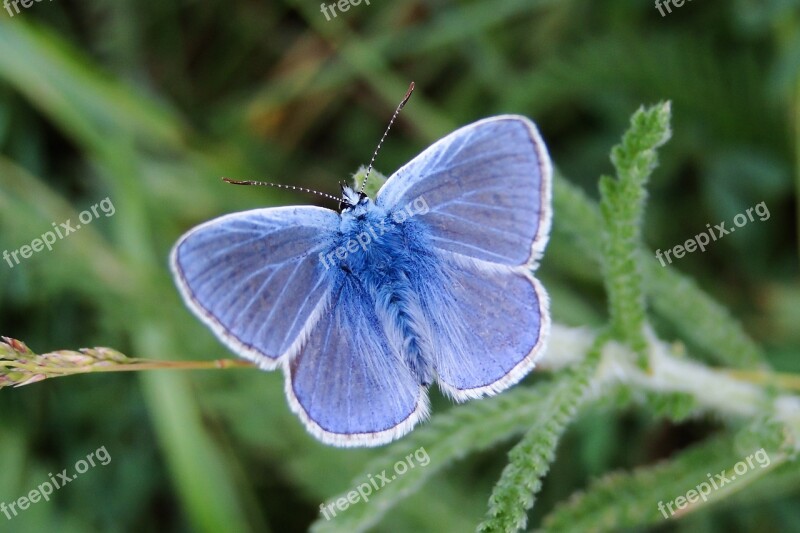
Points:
(622, 364)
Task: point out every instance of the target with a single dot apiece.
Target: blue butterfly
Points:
(365, 308)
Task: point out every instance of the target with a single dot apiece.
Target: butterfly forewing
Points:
(488, 186)
(255, 279)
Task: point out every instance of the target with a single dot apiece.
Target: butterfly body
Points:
(365, 308)
(379, 254)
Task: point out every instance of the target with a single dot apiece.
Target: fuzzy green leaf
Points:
(701, 319)
(677, 406)
(622, 208)
(530, 459)
(696, 315)
(374, 183)
(624, 500)
(450, 436)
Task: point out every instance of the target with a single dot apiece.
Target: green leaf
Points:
(451, 436)
(698, 317)
(676, 297)
(643, 496)
(374, 183)
(530, 459)
(677, 406)
(622, 209)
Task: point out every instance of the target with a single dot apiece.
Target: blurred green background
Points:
(150, 103)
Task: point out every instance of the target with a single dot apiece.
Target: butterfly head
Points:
(352, 199)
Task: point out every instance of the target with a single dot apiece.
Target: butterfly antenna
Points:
(279, 186)
(394, 116)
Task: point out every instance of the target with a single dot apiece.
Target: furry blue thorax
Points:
(377, 254)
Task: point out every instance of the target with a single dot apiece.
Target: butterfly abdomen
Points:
(384, 268)
(398, 303)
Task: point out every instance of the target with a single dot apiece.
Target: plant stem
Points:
(781, 380)
(135, 365)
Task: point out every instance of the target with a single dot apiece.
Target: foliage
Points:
(622, 208)
(149, 105)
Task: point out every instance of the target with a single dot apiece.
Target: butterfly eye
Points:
(345, 204)
(350, 198)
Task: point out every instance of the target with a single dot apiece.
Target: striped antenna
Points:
(279, 186)
(394, 116)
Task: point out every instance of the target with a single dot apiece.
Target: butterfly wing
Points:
(347, 384)
(486, 325)
(255, 277)
(488, 188)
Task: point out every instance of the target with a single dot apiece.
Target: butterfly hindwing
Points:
(347, 384)
(255, 279)
(487, 325)
(488, 187)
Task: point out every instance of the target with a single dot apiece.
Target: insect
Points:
(365, 308)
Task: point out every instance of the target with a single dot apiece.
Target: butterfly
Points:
(365, 308)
